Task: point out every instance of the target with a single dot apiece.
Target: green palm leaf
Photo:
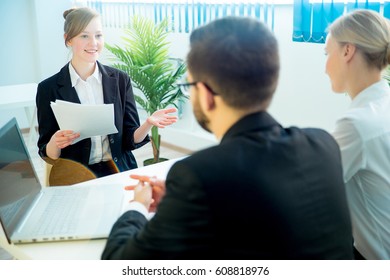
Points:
(145, 58)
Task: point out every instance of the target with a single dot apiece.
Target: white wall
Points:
(49, 24)
(17, 49)
(303, 98)
(18, 44)
(31, 48)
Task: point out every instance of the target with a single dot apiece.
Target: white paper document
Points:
(88, 120)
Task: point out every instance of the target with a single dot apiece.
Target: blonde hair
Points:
(369, 32)
(76, 20)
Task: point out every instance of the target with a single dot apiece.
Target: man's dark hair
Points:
(237, 57)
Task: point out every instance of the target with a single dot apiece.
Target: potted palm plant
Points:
(145, 58)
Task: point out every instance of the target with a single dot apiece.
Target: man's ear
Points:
(349, 51)
(206, 98)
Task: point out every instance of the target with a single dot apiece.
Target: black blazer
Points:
(117, 90)
(265, 192)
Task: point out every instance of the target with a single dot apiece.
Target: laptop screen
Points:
(18, 182)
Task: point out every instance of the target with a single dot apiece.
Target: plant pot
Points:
(150, 161)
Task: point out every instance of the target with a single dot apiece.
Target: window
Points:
(184, 15)
(312, 17)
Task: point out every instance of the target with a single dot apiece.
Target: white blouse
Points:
(91, 92)
(363, 134)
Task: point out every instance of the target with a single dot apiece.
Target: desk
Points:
(20, 96)
(82, 249)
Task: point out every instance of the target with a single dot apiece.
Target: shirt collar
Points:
(74, 77)
(375, 91)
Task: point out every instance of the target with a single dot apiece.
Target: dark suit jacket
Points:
(117, 90)
(265, 192)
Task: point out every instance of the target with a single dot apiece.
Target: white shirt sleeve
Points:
(351, 147)
(137, 206)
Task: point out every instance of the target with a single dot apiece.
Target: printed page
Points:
(88, 120)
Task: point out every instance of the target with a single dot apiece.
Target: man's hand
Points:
(149, 191)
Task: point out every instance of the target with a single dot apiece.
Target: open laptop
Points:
(30, 213)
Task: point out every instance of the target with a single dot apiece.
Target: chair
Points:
(47, 170)
(67, 172)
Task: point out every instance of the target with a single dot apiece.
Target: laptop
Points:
(32, 213)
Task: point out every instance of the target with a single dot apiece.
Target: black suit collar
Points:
(65, 89)
(256, 121)
(67, 92)
(110, 84)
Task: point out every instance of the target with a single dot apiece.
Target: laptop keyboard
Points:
(59, 215)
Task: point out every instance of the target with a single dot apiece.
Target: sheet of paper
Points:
(88, 120)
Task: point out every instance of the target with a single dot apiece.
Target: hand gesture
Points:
(161, 118)
(149, 191)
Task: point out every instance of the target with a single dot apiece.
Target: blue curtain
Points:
(312, 17)
(183, 15)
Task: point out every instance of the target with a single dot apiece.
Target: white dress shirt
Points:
(91, 92)
(363, 134)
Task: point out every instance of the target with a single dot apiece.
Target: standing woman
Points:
(358, 49)
(84, 80)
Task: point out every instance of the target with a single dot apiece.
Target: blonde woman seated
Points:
(358, 49)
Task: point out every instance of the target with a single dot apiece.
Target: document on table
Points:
(89, 120)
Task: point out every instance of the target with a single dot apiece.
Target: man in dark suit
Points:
(265, 192)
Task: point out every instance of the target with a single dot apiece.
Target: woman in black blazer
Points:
(84, 80)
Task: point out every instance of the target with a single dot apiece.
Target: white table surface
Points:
(16, 96)
(82, 249)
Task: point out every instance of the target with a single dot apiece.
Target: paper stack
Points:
(88, 120)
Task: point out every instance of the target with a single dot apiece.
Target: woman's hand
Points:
(161, 118)
(64, 138)
(61, 139)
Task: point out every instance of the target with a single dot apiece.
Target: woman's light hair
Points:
(368, 31)
(76, 20)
